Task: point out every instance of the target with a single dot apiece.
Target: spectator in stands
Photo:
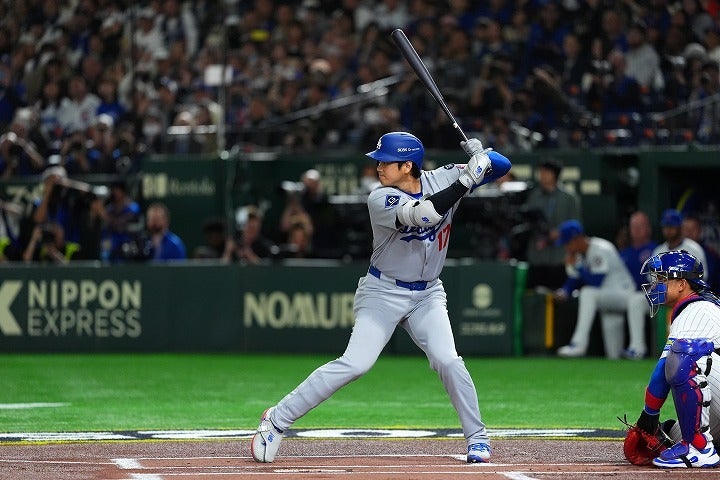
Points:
(294, 215)
(177, 24)
(109, 103)
(74, 153)
(552, 205)
(147, 37)
(621, 96)
(712, 43)
(692, 228)
(12, 94)
(173, 41)
(218, 244)
(299, 242)
(707, 118)
(634, 255)
(166, 245)
(545, 39)
(315, 201)
(182, 138)
(613, 26)
(79, 109)
(251, 245)
(19, 155)
(48, 108)
(643, 61)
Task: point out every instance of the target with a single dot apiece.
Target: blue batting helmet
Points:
(667, 266)
(399, 147)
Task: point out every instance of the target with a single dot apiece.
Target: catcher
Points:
(689, 366)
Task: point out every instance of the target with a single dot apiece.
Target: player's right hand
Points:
(476, 169)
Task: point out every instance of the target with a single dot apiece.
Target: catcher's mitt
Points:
(640, 446)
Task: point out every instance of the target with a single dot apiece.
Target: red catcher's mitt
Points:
(640, 447)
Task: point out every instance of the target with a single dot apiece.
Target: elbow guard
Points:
(420, 213)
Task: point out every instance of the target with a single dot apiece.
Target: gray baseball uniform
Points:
(401, 288)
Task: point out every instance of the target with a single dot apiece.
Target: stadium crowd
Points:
(96, 86)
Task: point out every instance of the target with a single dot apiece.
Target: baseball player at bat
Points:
(689, 365)
(411, 214)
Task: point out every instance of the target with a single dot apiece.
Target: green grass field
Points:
(218, 391)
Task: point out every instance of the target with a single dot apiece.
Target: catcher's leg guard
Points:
(686, 367)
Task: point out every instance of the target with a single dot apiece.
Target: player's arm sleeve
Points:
(429, 211)
(447, 197)
(571, 283)
(657, 390)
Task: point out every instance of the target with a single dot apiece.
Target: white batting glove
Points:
(476, 169)
(472, 146)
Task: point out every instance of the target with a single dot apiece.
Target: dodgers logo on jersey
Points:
(422, 233)
(392, 201)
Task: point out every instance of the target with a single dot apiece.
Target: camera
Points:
(292, 188)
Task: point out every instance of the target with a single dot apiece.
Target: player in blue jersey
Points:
(634, 255)
(411, 214)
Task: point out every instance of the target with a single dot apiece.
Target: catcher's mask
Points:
(667, 266)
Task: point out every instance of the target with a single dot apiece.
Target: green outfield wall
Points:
(204, 307)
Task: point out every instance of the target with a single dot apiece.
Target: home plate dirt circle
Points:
(348, 459)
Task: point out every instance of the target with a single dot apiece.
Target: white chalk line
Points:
(23, 406)
(54, 462)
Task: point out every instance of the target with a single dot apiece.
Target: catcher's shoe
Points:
(266, 441)
(682, 455)
(571, 351)
(478, 453)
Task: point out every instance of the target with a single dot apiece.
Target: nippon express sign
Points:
(71, 308)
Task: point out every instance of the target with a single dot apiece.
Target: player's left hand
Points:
(472, 146)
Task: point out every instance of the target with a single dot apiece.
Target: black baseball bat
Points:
(423, 74)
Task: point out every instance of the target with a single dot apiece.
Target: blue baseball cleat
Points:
(478, 453)
(682, 455)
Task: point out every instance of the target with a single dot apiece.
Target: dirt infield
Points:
(358, 459)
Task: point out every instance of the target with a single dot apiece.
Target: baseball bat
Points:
(412, 57)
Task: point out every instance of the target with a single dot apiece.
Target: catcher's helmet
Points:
(666, 266)
(399, 147)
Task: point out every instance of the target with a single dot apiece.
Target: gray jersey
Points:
(410, 253)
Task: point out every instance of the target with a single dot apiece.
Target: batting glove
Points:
(472, 146)
(476, 169)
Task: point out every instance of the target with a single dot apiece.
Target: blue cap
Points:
(671, 218)
(399, 147)
(568, 229)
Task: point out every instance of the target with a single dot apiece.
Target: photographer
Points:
(18, 155)
(47, 244)
(74, 154)
(122, 221)
(69, 204)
